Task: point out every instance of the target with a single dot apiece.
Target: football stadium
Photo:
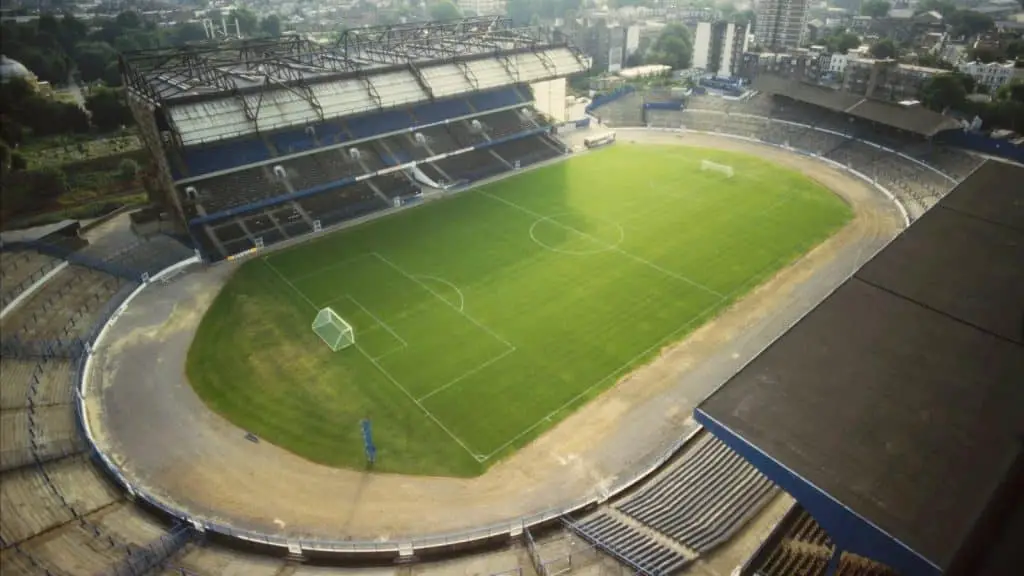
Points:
(399, 308)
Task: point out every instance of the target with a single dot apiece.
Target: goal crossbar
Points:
(333, 329)
(706, 165)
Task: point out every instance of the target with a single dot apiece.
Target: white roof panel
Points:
(343, 97)
(212, 120)
(397, 88)
(491, 73)
(446, 80)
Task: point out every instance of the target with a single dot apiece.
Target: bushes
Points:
(31, 190)
(128, 169)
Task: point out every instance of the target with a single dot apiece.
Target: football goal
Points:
(333, 329)
(716, 167)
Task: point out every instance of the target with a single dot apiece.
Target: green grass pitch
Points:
(484, 319)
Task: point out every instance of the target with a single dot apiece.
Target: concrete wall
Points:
(549, 98)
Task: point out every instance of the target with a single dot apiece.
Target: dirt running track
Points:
(146, 417)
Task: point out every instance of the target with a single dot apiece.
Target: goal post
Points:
(706, 165)
(333, 330)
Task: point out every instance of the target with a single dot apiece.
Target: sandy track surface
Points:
(146, 417)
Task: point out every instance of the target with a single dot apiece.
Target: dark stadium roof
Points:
(901, 396)
(910, 118)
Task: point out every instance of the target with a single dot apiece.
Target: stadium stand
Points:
(66, 307)
(636, 549)
(60, 513)
(19, 269)
(912, 459)
(702, 500)
(352, 110)
(801, 546)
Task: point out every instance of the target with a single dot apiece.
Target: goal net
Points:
(333, 330)
(716, 167)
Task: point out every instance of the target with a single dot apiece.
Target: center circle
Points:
(600, 234)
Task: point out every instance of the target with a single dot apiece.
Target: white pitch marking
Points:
(466, 375)
(629, 255)
(438, 296)
(289, 283)
(603, 247)
(378, 320)
(428, 413)
(462, 299)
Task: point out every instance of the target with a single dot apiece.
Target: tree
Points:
(842, 42)
(933, 61)
(1015, 48)
(746, 17)
(445, 10)
(108, 108)
(943, 91)
(188, 32)
(875, 8)
(943, 7)
(92, 59)
(271, 25)
(674, 47)
(883, 50)
(248, 22)
(128, 169)
(985, 54)
(1011, 91)
(969, 23)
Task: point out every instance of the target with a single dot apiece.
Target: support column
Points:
(833, 563)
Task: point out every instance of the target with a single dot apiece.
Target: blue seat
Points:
(221, 156)
(293, 140)
(441, 111)
(495, 99)
(384, 122)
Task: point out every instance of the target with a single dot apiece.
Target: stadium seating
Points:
(441, 111)
(506, 123)
(49, 380)
(704, 499)
(237, 189)
(494, 99)
(294, 140)
(527, 151)
(631, 545)
(19, 269)
(224, 156)
(65, 307)
(802, 547)
(375, 124)
(473, 165)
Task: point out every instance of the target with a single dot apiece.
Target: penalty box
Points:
(415, 328)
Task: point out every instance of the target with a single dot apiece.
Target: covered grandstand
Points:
(892, 412)
(910, 118)
(259, 141)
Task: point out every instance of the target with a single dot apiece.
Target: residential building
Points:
(994, 75)
(885, 79)
(781, 24)
(605, 43)
(718, 47)
(803, 65)
(481, 7)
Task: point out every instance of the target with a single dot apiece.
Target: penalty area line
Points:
(428, 413)
(614, 374)
(476, 456)
(458, 379)
(378, 320)
(290, 285)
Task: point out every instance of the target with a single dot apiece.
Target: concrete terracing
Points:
(146, 417)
